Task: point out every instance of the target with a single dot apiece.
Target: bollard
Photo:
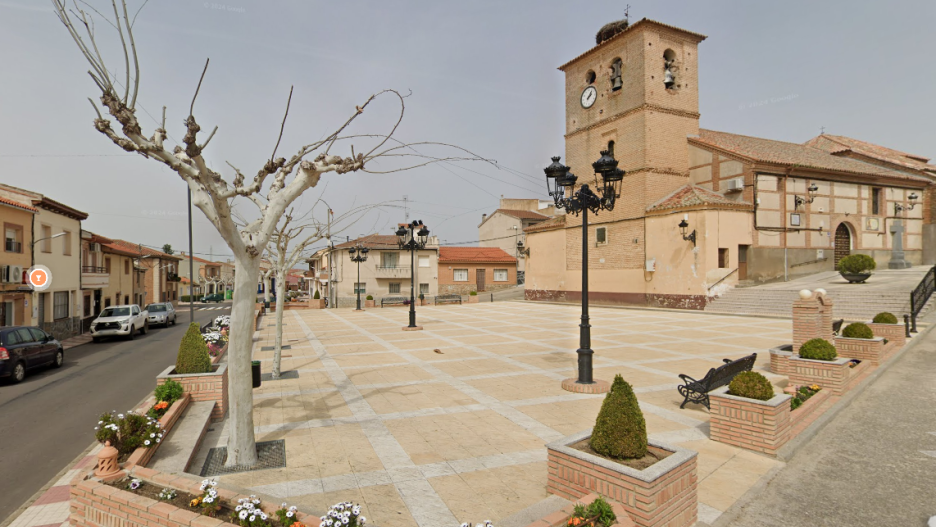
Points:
(907, 325)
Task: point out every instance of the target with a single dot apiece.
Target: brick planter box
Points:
(472, 299)
(561, 517)
(216, 359)
(662, 495)
(809, 407)
(317, 303)
(142, 456)
(370, 303)
(94, 504)
(761, 426)
(203, 387)
(871, 350)
(830, 375)
(780, 360)
(896, 334)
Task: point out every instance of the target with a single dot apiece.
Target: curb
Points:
(787, 452)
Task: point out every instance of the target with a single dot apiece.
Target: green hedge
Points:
(620, 431)
(884, 318)
(186, 298)
(752, 385)
(817, 349)
(858, 331)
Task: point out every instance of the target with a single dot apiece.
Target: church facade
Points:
(700, 210)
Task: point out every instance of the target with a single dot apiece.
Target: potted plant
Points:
(369, 301)
(856, 268)
(748, 414)
(617, 453)
(317, 301)
(473, 297)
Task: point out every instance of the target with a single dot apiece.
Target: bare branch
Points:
(138, 12)
(98, 112)
(123, 42)
(202, 147)
(136, 61)
(283, 125)
(192, 106)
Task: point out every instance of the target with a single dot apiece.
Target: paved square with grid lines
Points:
(447, 425)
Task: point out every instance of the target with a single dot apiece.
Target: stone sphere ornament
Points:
(805, 294)
(821, 292)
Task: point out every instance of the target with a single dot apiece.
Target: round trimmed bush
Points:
(817, 349)
(620, 431)
(858, 330)
(193, 352)
(473, 293)
(369, 297)
(885, 318)
(752, 385)
(857, 264)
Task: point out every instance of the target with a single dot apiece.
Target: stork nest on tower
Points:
(611, 29)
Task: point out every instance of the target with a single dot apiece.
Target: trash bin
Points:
(266, 305)
(255, 370)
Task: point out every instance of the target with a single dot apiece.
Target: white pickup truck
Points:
(123, 321)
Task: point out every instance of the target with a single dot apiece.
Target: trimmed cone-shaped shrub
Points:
(884, 318)
(620, 431)
(817, 349)
(193, 352)
(858, 330)
(856, 264)
(752, 385)
(316, 296)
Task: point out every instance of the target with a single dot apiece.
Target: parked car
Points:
(26, 347)
(122, 321)
(162, 314)
(216, 297)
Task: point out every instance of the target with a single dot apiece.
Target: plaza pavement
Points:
(418, 437)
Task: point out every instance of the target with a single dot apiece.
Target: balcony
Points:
(94, 277)
(392, 272)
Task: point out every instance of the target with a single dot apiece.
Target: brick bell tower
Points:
(635, 92)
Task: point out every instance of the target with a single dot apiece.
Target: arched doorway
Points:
(843, 242)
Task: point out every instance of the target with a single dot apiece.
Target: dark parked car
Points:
(26, 347)
(217, 297)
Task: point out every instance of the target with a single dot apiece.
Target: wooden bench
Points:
(448, 299)
(394, 301)
(697, 391)
(837, 326)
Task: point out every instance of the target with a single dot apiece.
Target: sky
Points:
(480, 75)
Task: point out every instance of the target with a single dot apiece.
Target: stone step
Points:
(177, 451)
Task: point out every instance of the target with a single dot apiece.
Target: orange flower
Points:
(161, 405)
(574, 522)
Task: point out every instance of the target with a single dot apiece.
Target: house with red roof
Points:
(480, 269)
(504, 227)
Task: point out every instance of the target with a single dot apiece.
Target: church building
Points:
(701, 210)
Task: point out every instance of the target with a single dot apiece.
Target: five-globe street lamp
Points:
(409, 238)
(561, 186)
(358, 255)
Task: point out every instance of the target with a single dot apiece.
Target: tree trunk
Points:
(242, 448)
(280, 300)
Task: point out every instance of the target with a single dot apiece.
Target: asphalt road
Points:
(48, 419)
(874, 464)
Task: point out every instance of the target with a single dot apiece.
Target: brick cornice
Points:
(642, 108)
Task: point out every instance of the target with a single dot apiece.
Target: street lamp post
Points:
(559, 182)
(358, 255)
(413, 240)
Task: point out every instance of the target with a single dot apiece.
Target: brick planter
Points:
(780, 360)
(370, 303)
(662, 495)
(896, 334)
(203, 387)
(871, 350)
(472, 299)
(761, 426)
(317, 303)
(216, 359)
(830, 375)
(561, 517)
(808, 408)
(94, 504)
(142, 456)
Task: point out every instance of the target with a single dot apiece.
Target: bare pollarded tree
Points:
(215, 196)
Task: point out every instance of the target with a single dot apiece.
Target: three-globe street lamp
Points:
(413, 240)
(560, 183)
(358, 254)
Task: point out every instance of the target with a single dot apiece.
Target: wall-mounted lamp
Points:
(811, 192)
(521, 250)
(683, 229)
(911, 198)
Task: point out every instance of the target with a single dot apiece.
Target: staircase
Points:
(852, 304)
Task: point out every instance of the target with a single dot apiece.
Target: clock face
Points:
(589, 96)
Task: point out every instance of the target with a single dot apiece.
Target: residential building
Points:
(466, 269)
(317, 275)
(56, 244)
(701, 211)
(504, 227)
(160, 272)
(385, 273)
(125, 277)
(208, 276)
(15, 293)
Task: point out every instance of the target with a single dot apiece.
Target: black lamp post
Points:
(559, 182)
(686, 235)
(412, 239)
(358, 255)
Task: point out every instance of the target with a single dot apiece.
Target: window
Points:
(126, 266)
(14, 238)
(722, 258)
(500, 275)
(87, 305)
(126, 299)
(590, 77)
(461, 275)
(107, 302)
(389, 259)
(38, 335)
(616, 82)
(360, 287)
(135, 310)
(6, 313)
(107, 265)
(424, 261)
(877, 195)
(424, 289)
(60, 305)
(395, 287)
(47, 242)
(601, 236)
(66, 244)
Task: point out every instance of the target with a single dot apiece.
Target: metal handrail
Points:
(723, 278)
(93, 269)
(921, 295)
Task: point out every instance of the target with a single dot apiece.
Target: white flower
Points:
(361, 520)
(209, 499)
(242, 515)
(252, 518)
(119, 416)
(263, 516)
(294, 508)
(356, 510)
(147, 442)
(238, 508)
(152, 435)
(344, 520)
(466, 524)
(249, 506)
(289, 514)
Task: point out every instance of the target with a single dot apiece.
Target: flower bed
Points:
(762, 426)
(141, 456)
(203, 386)
(562, 517)
(662, 494)
(808, 407)
(871, 350)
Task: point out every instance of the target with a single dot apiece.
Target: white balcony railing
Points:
(392, 271)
